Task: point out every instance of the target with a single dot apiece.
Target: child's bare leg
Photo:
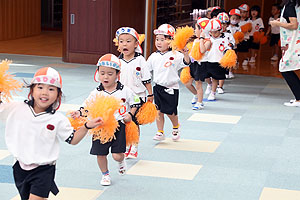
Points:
(174, 120)
(221, 83)
(102, 163)
(190, 87)
(34, 197)
(199, 91)
(160, 121)
(119, 157)
(214, 85)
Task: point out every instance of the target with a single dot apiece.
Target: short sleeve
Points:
(149, 62)
(289, 11)
(65, 129)
(179, 60)
(261, 23)
(146, 75)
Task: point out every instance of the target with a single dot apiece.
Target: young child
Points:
(257, 25)
(274, 31)
(224, 19)
(215, 49)
(165, 64)
(243, 47)
(196, 69)
(32, 130)
(134, 72)
(108, 71)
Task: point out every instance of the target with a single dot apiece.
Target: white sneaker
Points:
(292, 104)
(159, 136)
(245, 62)
(220, 90)
(198, 106)
(208, 89)
(212, 96)
(252, 60)
(194, 100)
(122, 168)
(133, 152)
(274, 58)
(226, 76)
(176, 134)
(230, 75)
(292, 100)
(106, 180)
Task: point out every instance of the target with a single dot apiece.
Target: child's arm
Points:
(80, 133)
(129, 116)
(150, 92)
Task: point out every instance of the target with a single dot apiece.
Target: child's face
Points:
(224, 26)
(254, 13)
(127, 44)
(162, 43)
(215, 34)
(197, 31)
(275, 10)
(107, 76)
(44, 96)
(244, 14)
(234, 19)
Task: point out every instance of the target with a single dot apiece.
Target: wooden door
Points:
(89, 26)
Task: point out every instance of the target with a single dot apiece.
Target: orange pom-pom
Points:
(229, 59)
(246, 28)
(256, 37)
(132, 133)
(263, 40)
(189, 46)
(182, 36)
(78, 122)
(239, 37)
(196, 53)
(185, 75)
(147, 113)
(104, 107)
(8, 85)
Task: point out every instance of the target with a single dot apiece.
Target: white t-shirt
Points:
(274, 29)
(243, 22)
(33, 139)
(135, 73)
(218, 47)
(165, 68)
(232, 29)
(121, 92)
(257, 24)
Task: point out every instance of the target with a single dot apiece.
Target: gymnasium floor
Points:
(244, 146)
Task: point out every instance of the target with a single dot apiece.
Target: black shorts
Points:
(243, 46)
(38, 181)
(213, 70)
(166, 99)
(118, 145)
(253, 45)
(195, 70)
(274, 39)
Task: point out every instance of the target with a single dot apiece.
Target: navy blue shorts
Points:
(213, 70)
(38, 181)
(117, 145)
(274, 39)
(243, 46)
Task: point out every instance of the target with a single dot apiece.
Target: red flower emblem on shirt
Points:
(50, 127)
(171, 58)
(138, 69)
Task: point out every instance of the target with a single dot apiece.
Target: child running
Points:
(134, 72)
(165, 64)
(107, 73)
(32, 130)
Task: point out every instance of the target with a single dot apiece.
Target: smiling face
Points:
(108, 77)
(162, 43)
(127, 45)
(44, 96)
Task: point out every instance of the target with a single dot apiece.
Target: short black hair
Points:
(277, 5)
(255, 8)
(115, 69)
(215, 12)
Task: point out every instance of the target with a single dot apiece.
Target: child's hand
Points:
(127, 117)
(150, 99)
(185, 51)
(95, 122)
(75, 114)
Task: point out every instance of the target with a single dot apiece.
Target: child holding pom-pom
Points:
(215, 49)
(32, 133)
(134, 72)
(107, 74)
(165, 64)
